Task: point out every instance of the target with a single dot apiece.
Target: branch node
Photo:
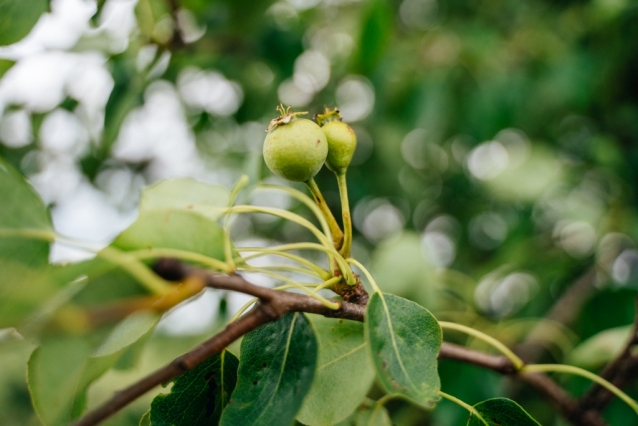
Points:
(170, 269)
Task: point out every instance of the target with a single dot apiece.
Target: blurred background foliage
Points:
(495, 167)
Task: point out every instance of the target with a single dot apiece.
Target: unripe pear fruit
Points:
(295, 148)
(342, 140)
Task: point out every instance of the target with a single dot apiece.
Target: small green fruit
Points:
(295, 148)
(342, 140)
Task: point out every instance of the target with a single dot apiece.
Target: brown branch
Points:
(565, 312)
(565, 404)
(500, 364)
(215, 345)
(621, 371)
(568, 407)
(271, 306)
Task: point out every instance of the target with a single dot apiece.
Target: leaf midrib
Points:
(394, 343)
(283, 364)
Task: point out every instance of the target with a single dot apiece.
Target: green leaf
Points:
(185, 194)
(22, 290)
(55, 371)
(17, 18)
(107, 282)
(25, 231)
(124, 99)
(5, 65)
(278, 362)
(600, 348)
(199, 395)
(25, 224)
(38, 293)
(375, 33)
(127, 332)
(501, 412)
(62, 368)
(146, 419)
(404, 342)
(530, 180)
(400, 268)
(368, 414)
(344, 372)
(175, 229)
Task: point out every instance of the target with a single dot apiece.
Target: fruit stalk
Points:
(345, 212)
(337, 233)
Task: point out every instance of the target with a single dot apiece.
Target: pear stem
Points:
(345, 211)
(337, 233)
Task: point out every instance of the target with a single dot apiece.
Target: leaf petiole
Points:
(363, 269)
(468, 407)
(327, 284)
(343, 265)
(327, 303)
(288, 268)
(303, 198)
(228, 247)
(281, 251)
(137, 269)
(151, 253)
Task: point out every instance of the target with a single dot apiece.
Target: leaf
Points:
(146, 419)
(127, 332)
(17, 18)
(38, 293)
(404, 342)
(23, 213)
(501, 412)
(5, 65)
(375, 33)
(54, 371)
(107, 282)
(199, 395)
(529, 181)
(276, 369)
(177, 214)
(175, 229)
(344, 372)
(25, 230)
(600, 348)
(22, 290)
(400, 268)
(368, 414)
(185, 194)
(62, 368)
